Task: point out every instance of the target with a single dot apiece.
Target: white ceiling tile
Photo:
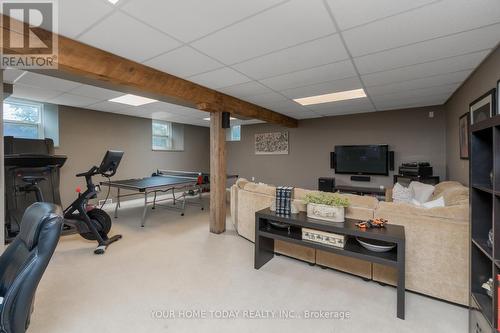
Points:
(306, 115)
(467, 42)
(128, 38)
(34, 93)
(38, 80)
(350, 13)
(292, 23)
(412, 102)
(320, 74)
(219, 78)
(75, 16)
(315, 53)
(432, 21)
(163, 115)
(191, 19)
(188, 112)
(251, 88)
(427, 82)
(73, 100)
(183, 62)
(267, 100)
(402, 96)
(323, 88)
(289, 106)
(449, 65)
(95, 92)
(108, 106)
(10, 75)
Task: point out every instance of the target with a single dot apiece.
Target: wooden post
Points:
(217, 174)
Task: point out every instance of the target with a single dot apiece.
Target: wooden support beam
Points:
(217, 174)
(86, 64)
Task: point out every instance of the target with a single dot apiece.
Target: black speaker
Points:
(391, 161)
(326, 184)
(226, 120)
(361, 178)
(332, 160)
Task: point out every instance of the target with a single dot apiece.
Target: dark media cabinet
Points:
(484, 216)
(265, 236)
(377, 192)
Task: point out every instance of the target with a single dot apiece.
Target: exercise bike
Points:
(91, 223)
(94, 224)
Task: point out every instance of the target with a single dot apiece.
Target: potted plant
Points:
(326, 206)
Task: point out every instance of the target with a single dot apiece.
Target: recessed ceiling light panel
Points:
(334, 97)
(114, 2)
(133, 100)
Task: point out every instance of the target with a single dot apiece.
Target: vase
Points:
(325, 212)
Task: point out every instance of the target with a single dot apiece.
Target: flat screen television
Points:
(362, 160)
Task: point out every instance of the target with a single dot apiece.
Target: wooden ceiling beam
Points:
(87, 64)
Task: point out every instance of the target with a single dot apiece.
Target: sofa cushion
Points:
(421, 192)
(241, 182)
(457, 212)
(260, 188)
(456, 196)
(443, 186)
(401, 193)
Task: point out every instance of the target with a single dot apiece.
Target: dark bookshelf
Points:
(484, 180)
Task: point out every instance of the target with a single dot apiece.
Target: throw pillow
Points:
(421, 192)
(401, 193)
(439, 202)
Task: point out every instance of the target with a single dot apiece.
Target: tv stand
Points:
(359, 190)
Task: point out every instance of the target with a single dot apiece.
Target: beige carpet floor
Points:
(156, 277)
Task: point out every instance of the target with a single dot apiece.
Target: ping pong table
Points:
(180, 184)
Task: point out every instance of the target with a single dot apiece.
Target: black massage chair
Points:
(24, 262)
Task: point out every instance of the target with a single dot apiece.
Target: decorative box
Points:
(325, 238)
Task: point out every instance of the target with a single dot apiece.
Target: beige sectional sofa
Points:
(437, 247)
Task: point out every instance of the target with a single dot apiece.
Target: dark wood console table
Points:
(264, 243)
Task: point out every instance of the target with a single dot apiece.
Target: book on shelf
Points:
(284, 200)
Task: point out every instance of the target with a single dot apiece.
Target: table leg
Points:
(401, 280)
(154, 201)
(145, 210)
(264, 247)
(200, 198)
(117, 202)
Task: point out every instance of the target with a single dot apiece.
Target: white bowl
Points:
(375, 245)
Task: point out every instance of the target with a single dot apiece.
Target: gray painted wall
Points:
(410, 133)
(483, 79)
(85, 135)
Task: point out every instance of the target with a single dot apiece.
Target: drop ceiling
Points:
(404, 53)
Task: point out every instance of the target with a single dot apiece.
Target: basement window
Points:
(167, 136)
(31, 120)
(23, 119)
(233, 133)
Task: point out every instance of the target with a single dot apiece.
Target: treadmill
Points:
(32, 170)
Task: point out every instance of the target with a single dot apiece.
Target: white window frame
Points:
(39, 124)
(229, 134)
(168, 136)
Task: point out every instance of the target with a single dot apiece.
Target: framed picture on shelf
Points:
(463, 135)
(483, 107)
